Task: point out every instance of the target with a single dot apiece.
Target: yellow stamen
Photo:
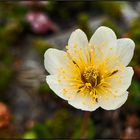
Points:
(88, 78)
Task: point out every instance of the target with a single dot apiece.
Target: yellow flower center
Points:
(91, 75)
(82, 73)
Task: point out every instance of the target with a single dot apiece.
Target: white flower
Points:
(91, 74)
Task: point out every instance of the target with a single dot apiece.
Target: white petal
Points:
(73, 98)
(104, 42)
(121, 81)
(108, 101)
(125, 50)
(55, 59)
(84, 103)
(77, 44)
(79, 38)
(58, 87)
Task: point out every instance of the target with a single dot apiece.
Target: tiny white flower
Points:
(91, 74)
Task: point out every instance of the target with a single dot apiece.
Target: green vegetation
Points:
(111, 24)
(41, 45)
(5, 77)
(11, 31)
(134, 33)
(134, 30)
(62, 125)
(90, 132)
(134, 99)
(113, 9)
(30, 135)
(44, 88)
(83, 23)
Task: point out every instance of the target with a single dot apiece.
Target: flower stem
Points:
(86, 117)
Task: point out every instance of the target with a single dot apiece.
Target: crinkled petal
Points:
(104, 42)
(84, 103)
(77, 45)
(121, 81)
(108, 101)
(60, 88)
(78, 38)
(125, 50)
(55, 59)
(74, 99)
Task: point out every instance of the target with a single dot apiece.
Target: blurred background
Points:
(28, 108)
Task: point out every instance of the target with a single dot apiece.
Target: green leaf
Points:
(29, 135)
